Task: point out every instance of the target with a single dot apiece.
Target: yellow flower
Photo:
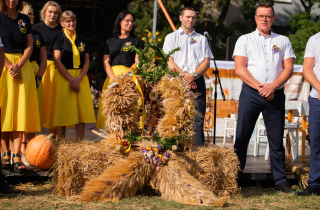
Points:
(148, 148)
(150, 40)
(157, 33)
(146, 30)
(159, 40)
(149, 34)
(143, 38)
(155, 149)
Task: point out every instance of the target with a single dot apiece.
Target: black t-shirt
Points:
(14, 32)
(118, 50)
(63, 44)
(37, 44)
(48, 35)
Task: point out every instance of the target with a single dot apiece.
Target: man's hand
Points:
(270, 97)
(193, 85)
(266, 89)
(188, 78)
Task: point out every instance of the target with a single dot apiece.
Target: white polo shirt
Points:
(192, 53)
(265, 55)
(313, 50)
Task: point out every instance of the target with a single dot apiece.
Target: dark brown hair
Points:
(3, 6)
(187, 8)
(265, 5)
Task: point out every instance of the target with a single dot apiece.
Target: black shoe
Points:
(6, 189)
(284, 187)
(309, 191)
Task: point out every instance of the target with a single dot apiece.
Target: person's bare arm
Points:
(172, 64)
(107, 67)
(269, 88)
(204, 66)
(84, 70)
(309, 75)
(1, 60)
(43, 63)
(26, 53)
(63, 71)
(243, 73)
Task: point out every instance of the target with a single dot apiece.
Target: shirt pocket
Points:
(198, 53)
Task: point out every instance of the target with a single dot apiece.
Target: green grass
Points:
(39, 195)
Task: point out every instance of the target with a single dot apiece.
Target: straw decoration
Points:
(176, 184)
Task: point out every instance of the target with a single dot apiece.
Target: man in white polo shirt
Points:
(264, 62)
(311, 72)
(192, 61)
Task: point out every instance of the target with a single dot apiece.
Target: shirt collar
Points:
(259, 34)
(181, 31)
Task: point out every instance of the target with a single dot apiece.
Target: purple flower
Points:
(143, 150)
(97, 192)
(108, 182)
(201, 202)
(159, 160)
(159, 147)
(182, 195)
(188, 185)
(123, 174)
(132, 168)
(274, 51)
(167, 154)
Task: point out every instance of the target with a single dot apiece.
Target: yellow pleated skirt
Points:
(71, 107)
(48, 83)
(18, 99)
(117, 71)
(35, 68)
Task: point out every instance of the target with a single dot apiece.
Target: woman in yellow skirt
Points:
(38, 61)
(73, 103)
(18, 101)
(49, 28)
(117, 57)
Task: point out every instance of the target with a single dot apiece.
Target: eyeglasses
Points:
(70, 21)
(127, 21)
(261, 17)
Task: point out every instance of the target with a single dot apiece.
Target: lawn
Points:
(40, 195)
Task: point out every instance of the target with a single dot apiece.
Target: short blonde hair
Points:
(26, 8)
(67, 14)
(44, 8)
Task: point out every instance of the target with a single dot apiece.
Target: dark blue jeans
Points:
(251, 103)
(198, 137)
(314, 126)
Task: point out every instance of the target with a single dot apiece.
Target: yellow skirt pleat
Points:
(48, 83)
(19, 101)
(71, 107)
(35, 68)
(117, 71)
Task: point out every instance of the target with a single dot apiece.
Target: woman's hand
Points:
(15, 71)
(74, 85)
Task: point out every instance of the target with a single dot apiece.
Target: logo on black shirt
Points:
(82, 47)
(126, 46)
(38, 43)
(22, 26)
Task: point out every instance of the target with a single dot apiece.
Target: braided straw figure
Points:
(120, 105)
(178, 105)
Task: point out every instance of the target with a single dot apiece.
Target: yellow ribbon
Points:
(143, 111)
(75, 51)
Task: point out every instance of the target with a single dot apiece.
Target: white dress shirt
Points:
(264, 62)
(313, 50)
(191, 54)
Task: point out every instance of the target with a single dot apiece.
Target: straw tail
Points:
(122, 180)
(176, 184)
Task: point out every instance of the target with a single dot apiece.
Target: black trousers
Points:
(314, 125)
(200, 101)
(251, 103)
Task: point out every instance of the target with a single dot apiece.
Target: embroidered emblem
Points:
(275, 49)
(38, 43)
(82, 47)
(22, 26)
(126, 46)
(192, 41)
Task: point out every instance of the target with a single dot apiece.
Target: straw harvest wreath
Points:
(150, 118)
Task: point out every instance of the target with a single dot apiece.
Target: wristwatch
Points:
(39, 78)
(195, 75)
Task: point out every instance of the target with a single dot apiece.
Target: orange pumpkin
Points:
(39, 152)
